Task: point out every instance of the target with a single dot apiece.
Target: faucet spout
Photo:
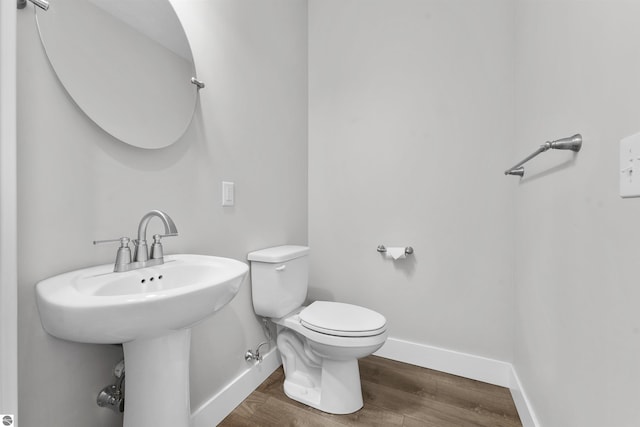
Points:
(169, 225)
(141, 253)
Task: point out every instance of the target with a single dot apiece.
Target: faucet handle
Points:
(124, 241)
(156, 249)
(123, 257)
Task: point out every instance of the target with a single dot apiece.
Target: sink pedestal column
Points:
(157, 381)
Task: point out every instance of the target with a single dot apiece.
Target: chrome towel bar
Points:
(573, 143)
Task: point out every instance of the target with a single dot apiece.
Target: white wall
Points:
(411, 122)
(578, 324)
(413, 107)
(8, 257)
(77, 184)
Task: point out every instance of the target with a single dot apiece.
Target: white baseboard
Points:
(525, 410)
(452, 362)
(465, 365)
(222, 404)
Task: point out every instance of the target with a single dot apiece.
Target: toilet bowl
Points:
(320, 344)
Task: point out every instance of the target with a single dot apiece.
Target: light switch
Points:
(228, 197)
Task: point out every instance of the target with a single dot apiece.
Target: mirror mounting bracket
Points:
(197, 82)
(42, 4)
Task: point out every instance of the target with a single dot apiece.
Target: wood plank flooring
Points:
(395, 394)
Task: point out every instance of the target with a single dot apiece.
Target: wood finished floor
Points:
(395, 394)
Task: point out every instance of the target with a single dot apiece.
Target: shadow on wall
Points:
(406, 266)
(564, 165)
(318, 294)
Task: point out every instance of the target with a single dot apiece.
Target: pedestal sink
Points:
(150, 311)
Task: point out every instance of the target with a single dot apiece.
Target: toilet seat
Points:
(343, 320)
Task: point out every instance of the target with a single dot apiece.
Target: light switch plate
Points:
(228, 196)
(630, 166)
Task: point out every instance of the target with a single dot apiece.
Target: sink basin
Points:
(150, 311)
(96, 305)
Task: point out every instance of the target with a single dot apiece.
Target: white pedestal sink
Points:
(150, 311)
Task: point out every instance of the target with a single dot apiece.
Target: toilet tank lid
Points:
(278, 253)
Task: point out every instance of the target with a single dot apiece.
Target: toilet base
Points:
(332, 386)
(340, 391)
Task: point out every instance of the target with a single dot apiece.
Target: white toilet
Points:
(320, 344)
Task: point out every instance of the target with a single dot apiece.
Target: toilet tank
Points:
(279, 279)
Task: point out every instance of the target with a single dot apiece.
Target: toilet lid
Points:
(345, 320)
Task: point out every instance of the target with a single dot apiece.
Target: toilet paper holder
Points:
(408, 250)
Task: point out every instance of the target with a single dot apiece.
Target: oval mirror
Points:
(126, 63)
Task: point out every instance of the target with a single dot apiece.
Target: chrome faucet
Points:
(141, 256)
(141, 253)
